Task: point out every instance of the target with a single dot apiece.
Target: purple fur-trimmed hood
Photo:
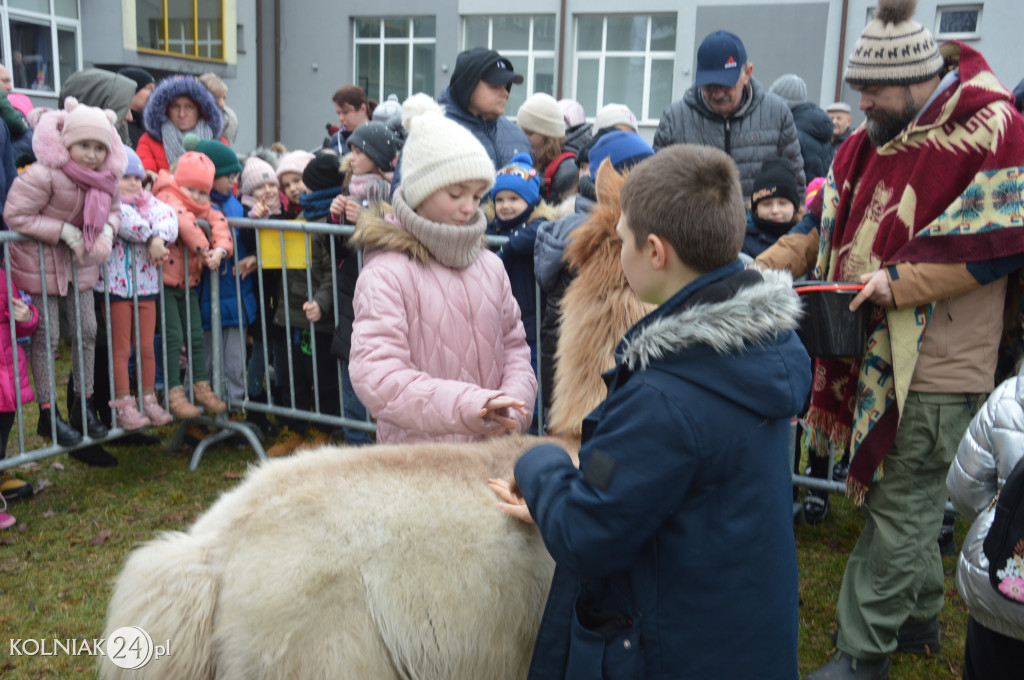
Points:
(155, 113)
(48, 144)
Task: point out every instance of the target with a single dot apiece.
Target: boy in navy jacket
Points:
(674, 539)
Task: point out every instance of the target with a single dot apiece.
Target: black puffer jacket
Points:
(760, 129)
(815, 130)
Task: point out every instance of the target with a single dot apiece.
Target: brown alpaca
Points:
(596, 311)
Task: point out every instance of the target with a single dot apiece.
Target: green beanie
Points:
(224, 159)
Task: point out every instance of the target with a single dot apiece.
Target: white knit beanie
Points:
(293, 161)
(611, 115)
(541, 113)
(438, 152)
(894, 49)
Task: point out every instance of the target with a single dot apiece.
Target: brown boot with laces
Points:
(204, 396)
(181, 407)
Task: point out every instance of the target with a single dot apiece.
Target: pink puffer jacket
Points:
(8, 402)
(430, 344)
(41, 200)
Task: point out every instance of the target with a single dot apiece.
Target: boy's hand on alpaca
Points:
(246, 266)
(72, 238)
(157, 250)
(312, 311)
(22, 312)
(352, 210)
(337, 208)
(499, 410)
(512, 503)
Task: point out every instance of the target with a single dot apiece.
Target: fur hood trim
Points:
(543, 211)
(48, 144)
(155, 113)
(754, 315)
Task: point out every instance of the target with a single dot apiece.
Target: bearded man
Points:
(924, 207)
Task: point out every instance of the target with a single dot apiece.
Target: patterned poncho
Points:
(949, 188)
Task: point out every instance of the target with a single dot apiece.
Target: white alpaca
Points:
(387, 562)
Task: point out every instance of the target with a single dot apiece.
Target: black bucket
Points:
(828, 328)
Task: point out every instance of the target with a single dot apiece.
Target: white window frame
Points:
(56, 23)
(381, 42)
(964, 35)
(530, 53)
(649, 56)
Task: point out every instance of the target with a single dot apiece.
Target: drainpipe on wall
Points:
(842, 51)
(561, 49)
(277, 70)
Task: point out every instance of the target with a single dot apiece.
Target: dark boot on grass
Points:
(66, 435)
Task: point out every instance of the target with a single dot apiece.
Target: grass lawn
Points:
(57, 565)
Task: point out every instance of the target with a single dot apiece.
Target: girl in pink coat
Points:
(438, 348)
(25, 317)
(68, 201)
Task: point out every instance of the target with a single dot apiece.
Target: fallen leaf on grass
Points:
(172, 517)
(57, 466)
(49, 513)
(42, 484)
(101, 538)
(8, 540)
(233, 475)
(22, 526)
(156, 475)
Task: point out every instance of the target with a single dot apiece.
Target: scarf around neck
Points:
(100, 188)
(172, 138)
(141, 202)
(316, 204)
(452, 245)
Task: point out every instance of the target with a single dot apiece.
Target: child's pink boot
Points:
(128, 415)
(156, 414)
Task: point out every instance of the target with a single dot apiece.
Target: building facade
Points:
(282, 61)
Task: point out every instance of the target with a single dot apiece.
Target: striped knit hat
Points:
(894, 49)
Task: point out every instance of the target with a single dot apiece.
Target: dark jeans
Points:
(989, 655)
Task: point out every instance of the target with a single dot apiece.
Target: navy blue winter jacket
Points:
(674, 539)
(230, 206)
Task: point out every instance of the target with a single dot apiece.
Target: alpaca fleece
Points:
(373, 563)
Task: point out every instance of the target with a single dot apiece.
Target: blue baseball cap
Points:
(720, 59)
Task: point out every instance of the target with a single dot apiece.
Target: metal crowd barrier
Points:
(222, 425)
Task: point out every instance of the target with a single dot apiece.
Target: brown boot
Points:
(181, 407)
(205, 397)
(286, 446)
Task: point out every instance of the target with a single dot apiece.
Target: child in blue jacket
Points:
(233, 319)
(518, 211)
(673, 541)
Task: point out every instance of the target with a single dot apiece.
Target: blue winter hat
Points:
(134, 168)
(624, 149)
(521, 177)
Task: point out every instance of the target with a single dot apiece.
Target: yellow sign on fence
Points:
(294, 249)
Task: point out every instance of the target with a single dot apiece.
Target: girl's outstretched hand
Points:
(22, 312)
(512, 503)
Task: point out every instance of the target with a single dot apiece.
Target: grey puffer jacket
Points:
(992, 446)
(760, 129)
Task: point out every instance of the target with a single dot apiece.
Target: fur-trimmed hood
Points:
(155, 113)
(744, 315)
(48, 145)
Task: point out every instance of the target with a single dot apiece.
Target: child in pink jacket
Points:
(25, 318)
(438, 348)
(69, 202)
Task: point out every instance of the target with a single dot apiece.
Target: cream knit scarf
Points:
(452, 245)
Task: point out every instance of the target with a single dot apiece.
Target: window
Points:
(626, 59)
(958, 22)
(527, 41)
(395, 55)
(186, 28)
(41, 47)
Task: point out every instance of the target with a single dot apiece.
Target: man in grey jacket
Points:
(727, 108)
